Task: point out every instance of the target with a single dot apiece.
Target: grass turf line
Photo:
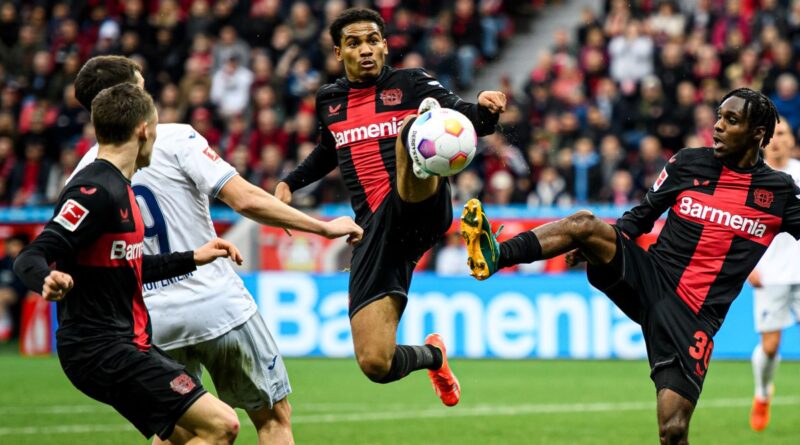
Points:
(504, 402)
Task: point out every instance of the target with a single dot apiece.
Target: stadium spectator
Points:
(721, 44)
(27, 182)
(631, 54)
(230, 87)
(550, 190)
(451, 259)
(787, 99)
(667, 23)
(12, 289)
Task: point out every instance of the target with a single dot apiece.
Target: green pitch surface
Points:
(503, 402)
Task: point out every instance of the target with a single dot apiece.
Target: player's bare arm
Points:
(260, 206)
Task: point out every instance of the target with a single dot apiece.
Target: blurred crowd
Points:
(243, 72)
(612, 99)
(600, 113)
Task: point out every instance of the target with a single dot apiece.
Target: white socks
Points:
(763, 371)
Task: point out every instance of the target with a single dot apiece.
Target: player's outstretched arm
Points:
(483, 115)
(264, 208)
(494, 101)
(216, 248)
(168, 265)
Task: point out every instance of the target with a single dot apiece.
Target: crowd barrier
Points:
(545, 316)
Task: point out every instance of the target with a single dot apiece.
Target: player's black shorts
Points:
(679, 344)
(395, 237)
(148, 388)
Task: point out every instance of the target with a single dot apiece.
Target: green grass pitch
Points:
(503, 402)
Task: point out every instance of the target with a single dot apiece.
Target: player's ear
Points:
(337, 51)
(141, 131)
(758, 134)
(385, 47)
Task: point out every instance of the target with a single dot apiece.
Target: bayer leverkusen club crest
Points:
(182, 384)
(763, 198)
(391, 97)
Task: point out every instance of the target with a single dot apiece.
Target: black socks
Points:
(523, 248)
(412, 358)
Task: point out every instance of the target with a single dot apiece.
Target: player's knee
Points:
(674, 431)
(770, 347)
(226, 427)
(582, 224)
(374, 367)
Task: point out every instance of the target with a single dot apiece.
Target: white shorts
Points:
(244, 364)
(776, 307)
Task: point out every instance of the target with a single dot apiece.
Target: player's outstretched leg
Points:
(445, 383)
(674, 414)
(380, 358)
(413, 184)
(765, 360)
(596, 240)
(482, 246)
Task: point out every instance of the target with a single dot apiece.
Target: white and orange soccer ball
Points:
(445, 141)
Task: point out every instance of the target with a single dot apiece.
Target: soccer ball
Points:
(445, 141)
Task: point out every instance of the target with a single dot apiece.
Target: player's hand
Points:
(56, 286)
(755, 278)
(344, 225)
(216, 248)
(495, 101)
(574, 257)
(283, 192)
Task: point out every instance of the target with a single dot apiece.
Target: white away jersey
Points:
(173, 196)
(781, 262)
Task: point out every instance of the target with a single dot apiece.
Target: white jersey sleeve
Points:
(780, 263)
(202, 164)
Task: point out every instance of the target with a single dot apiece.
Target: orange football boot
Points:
(759, 415)
(445, 383)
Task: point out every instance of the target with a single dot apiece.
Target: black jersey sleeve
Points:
(791, 214)
(167, 265)
(78, 220)
(426, 86)
(662, 194)
(321, 161)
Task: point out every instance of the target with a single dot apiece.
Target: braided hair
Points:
(758, 110)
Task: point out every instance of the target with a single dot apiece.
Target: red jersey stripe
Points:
(724, 215)
(141, 318)
(362, 132)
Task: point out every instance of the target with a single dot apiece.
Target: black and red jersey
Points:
(721, 220)
(359, 123)
(96, 235)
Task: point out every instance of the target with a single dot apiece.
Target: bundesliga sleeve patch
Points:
(71, 215)
(661, 178)
(211, 154)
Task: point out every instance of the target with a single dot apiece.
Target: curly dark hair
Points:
(758, 110)
(354, 15)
